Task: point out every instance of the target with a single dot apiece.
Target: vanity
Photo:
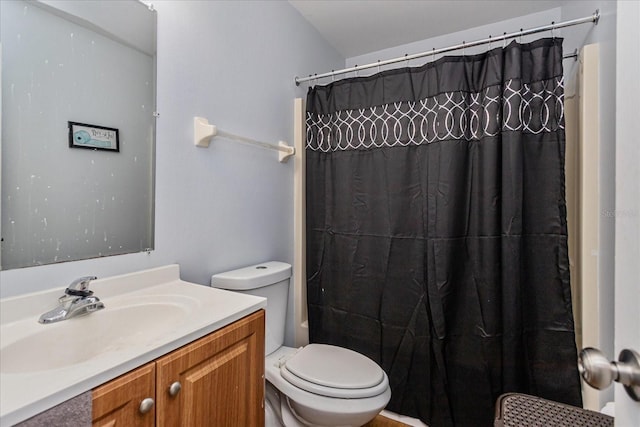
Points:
(163, 351)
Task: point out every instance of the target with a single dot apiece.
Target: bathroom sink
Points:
(82, 338)
(147, 314)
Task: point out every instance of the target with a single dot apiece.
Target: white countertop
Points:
(25, 392)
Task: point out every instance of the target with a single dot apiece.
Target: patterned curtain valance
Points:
(529, 108)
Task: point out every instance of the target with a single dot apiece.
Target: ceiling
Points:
(356, 27)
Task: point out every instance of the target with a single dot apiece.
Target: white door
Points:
(627, 214)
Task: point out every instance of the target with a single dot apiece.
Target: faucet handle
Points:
(80, 287)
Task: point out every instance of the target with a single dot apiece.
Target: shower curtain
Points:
(436, 230)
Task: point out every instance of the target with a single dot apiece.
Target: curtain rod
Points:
(553, 26)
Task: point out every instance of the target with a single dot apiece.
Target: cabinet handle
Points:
(146, 405)
(175, 388)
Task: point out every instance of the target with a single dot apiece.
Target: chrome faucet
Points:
(76, 301)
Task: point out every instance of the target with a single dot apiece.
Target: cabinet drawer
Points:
(117, 403)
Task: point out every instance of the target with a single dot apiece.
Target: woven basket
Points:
(522, 410)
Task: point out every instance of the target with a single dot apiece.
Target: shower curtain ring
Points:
(406, 60)
(521, 35)
(356, 70)
(463, 46)
(504, 39)
(433, 54)
(333, 77)
(378, 65)
(489, 42)
(553, 30)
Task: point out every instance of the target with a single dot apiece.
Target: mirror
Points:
(78, 130)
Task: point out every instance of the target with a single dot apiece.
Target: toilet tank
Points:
(269, 280)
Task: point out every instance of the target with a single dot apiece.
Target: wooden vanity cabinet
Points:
(221, 378)
(217, 380)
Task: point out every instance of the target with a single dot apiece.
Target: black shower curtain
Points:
(436, 230)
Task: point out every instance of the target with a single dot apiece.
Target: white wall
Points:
(229, 205)
(477, 33)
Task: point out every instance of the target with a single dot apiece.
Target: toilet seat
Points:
(333, 371)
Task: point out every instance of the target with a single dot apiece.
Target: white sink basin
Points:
(79, 339)
(147, 314)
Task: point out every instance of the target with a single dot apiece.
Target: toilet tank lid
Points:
(252, 277)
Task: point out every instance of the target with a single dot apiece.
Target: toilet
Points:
(315, 385)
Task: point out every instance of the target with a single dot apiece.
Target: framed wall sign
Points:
(82, 135)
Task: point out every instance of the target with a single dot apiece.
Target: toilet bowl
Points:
(315, 385)
(310, 403)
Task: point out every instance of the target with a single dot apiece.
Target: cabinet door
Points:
(117, 403)
(220, 377)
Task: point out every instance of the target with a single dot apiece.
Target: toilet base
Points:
(277, 411)
(280, 412)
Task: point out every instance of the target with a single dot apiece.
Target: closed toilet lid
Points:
(335, 372)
